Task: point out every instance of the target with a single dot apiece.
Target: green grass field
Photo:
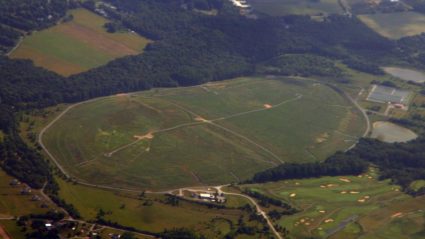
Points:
(301, 7)
(396, 25)
(12, 229)
(12, 203)
(210, 134)
(155, 217)
(326, 202)
(78, 45)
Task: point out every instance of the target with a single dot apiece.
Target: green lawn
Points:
(326, 202)
(302, 7)
(78, 45)
(97, 142)
(396, 25)
(418, 184)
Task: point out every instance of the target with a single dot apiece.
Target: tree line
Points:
(403, 163)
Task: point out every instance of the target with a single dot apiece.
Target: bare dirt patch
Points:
(322, 138)
(146, 136)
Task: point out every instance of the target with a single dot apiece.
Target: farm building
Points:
(240, 3)
(206, 196)
(385, 94)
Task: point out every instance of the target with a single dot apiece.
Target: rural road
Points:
(364, 113)
(3, 234)
(43, 131)
(259, 211)
(21, 39)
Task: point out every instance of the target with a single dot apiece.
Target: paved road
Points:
(259, 211)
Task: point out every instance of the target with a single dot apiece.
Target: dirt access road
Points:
(3, 234)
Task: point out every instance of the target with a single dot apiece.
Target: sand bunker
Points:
(398, 214)
(345, 180)
(354, 192)
(293, 195)
(329, 220)
(267, 106)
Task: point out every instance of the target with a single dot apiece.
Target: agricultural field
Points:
(395, 25)
(205, 135)
(347, 207)
(301, 7)
(12, 203)
(150, 212)
(78, 45)
(11, 229)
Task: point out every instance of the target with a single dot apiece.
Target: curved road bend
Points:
(259, 211)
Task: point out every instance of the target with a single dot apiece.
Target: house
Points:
(26, 191)
(35, 198)
(14, 182)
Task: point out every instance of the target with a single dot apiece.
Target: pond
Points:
(405, 74)
(391, 133)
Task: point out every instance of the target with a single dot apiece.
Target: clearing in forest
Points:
(78, 45)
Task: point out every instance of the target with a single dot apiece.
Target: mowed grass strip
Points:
(301, 7)
(78, 45)
(205, 135)
(395, 25)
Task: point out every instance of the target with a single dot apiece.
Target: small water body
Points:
(392, 133)
(406, 74)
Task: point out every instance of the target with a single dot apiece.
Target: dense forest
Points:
(190, 48)
(21, 16)
(338, 164)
